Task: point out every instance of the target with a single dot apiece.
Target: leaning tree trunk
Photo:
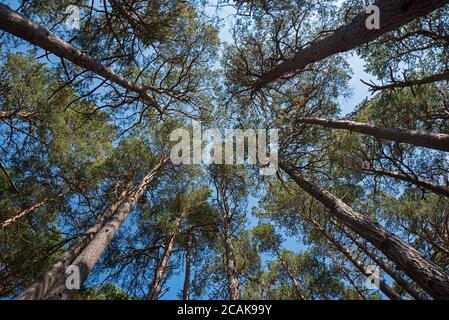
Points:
(429, 276)
(186, 287)
(17, 114)
(346, 274)
(414, 180)
(387, 268)
(90, 255)
(156, 284)
(386, 289)
(443, 76)
(393, 14)
(8, 177)
(231, 265)
(28, 210)
(27, 30)
(437, 141)
(293, 279)
(39, 289)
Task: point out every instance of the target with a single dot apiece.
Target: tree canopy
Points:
(94, 208)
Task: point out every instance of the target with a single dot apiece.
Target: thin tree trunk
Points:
(387, 268)
(293, 279)
(39, 289)
(90, 255)
(186, 288)
(27, 30)
(347, 276)
(393, 14)
(437, 141)
(231, 266)
(386, 289)
(8, 177)
(156, 284)
(419, 182)
(444, 76)
(16, 114)
(23, 213)
(429, 276)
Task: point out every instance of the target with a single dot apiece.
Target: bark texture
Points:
(415, 180)
(156, 284)
(39, 289)
(429, 276)
(231, 266)
(384, 265)
(90, 255)
(386, 289)
(17, 114)
(23, 213)
(393, 14)
(27, 30)
(437, 141)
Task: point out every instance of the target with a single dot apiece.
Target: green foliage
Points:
(103, 292)
(69, 136)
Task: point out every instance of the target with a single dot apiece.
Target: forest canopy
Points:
(326, 197)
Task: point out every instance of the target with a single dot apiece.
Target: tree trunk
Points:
(89, 256)
(231, 266)
(437, 141)
(347, 276)
(16, 114)
(386, 289)
(387, 268)
(186, 288)
(444, 76)
(293, 279)
(156, 284)
(8, 177)
(27, 30)
(416, 181)
(39, 289)
(393, 14)
(23, 213)
(429, 276)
